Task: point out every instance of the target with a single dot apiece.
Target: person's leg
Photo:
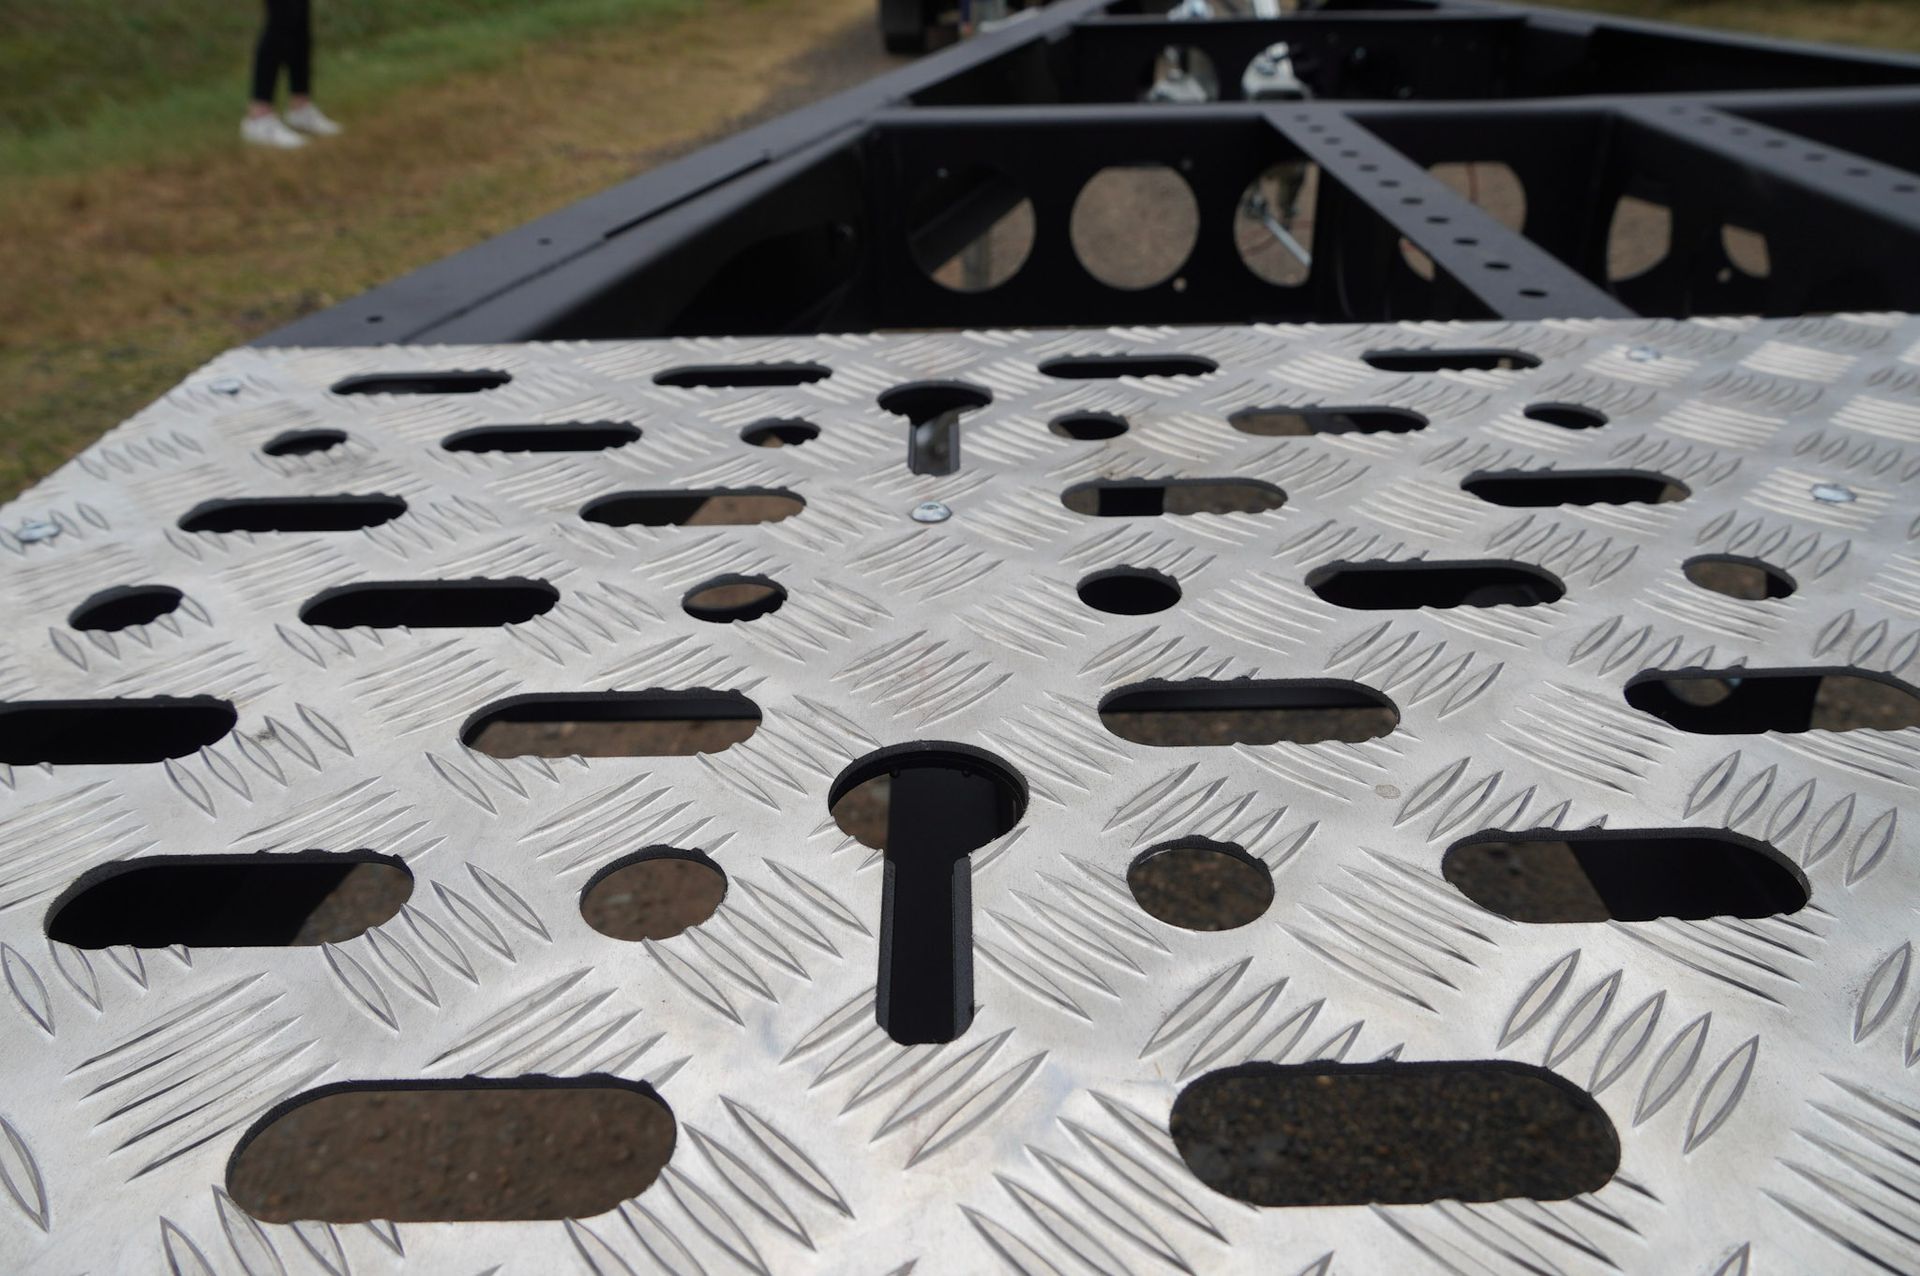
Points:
(302, 114)
(262, 127)
(298, 51)
(269, 54)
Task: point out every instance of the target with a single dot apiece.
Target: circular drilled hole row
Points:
(1131, 227)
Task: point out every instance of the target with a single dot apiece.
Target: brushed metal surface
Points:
(1761, 1074)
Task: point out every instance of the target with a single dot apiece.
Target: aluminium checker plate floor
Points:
(1764, 1076)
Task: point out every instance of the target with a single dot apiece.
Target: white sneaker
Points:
(270, 131)
(311, 119)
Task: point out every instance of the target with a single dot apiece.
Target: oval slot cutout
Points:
(1098, 367)
(466, 1151)
(293, 514)
(231, 901)
(1752, 701)
(451, 382)
(1301, 422)
(723, 376)
(574, 436)
(1536, 489)
(1390, 586)
(1393, 1133)
(1204, 714)
(125, 606)
(708, 507)
(110, 732)
(1199, 884)
(430, 604)
(1747, 579)
(1446, 360)
(303, 442)
(1623, 875)
(612, 724)
(1145, 498)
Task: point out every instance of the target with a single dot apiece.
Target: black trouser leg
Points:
(299, 48)
(285, 41)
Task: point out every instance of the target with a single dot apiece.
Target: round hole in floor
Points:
(656, 893)
(1088, 427)
(1198, 884)
(1738, 576)
(1129, 591)
(780, 432)
(1568, 416)
(125, 606)
(303, 442)
(725, 599)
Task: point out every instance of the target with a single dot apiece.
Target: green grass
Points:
(63, 60)
(138, 238)
(1879, 24)
(92, 83)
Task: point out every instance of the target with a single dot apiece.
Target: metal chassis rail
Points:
(802, 224)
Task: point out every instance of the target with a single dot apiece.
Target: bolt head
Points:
(1832, 494)
(35, 530)
(225, 385)
(931, 512)
(1642, 354)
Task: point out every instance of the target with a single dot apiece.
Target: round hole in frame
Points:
(987, 257)
(1133, 226)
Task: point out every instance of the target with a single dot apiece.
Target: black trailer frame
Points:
(822, 220)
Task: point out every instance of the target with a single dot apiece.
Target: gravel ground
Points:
(1392, 1134)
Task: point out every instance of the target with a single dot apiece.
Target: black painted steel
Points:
(1767, 177)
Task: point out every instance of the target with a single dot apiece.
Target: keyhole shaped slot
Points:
(938, 803)
(933, 410)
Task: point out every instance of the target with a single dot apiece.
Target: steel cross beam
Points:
(1501, 270)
